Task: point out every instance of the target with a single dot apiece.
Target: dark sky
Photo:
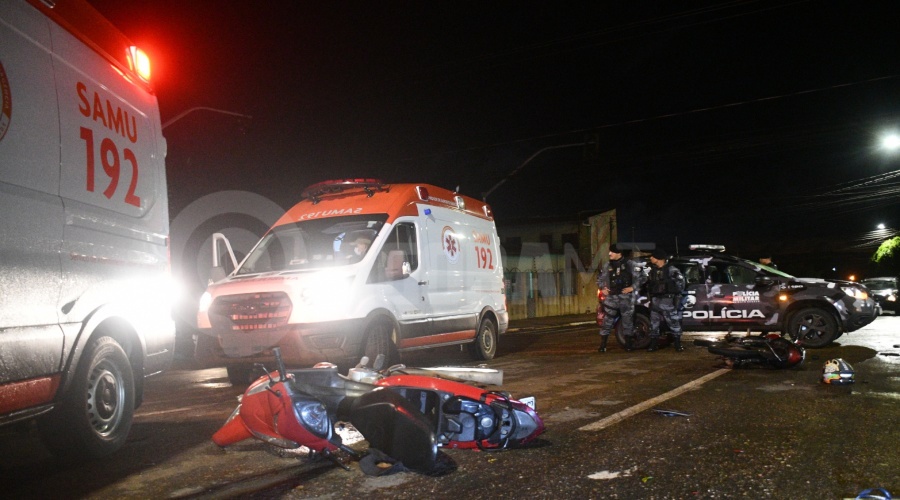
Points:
(713, 120)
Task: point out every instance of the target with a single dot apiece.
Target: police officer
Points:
(664, 286)
(617, 283)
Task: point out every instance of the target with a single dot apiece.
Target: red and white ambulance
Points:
(360, 267)
(84, 307)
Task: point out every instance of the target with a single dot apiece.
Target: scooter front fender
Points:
(233, 431)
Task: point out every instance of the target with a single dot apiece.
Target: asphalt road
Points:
(756, 433)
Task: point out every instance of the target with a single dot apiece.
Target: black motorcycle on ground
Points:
(770, 350)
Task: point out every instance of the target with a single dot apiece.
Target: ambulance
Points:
(359, 267)
(84, 274)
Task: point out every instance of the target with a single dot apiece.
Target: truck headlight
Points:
(205, 302)
(854, 292)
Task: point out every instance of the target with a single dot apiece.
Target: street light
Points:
(890, 141)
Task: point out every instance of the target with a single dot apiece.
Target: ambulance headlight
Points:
(856, 293)
(205, 302)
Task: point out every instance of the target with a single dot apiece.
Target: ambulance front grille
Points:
(250, 311)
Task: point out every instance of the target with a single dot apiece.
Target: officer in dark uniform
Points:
(617, 282)
(664, 286)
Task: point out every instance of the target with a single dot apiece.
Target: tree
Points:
(888, 253)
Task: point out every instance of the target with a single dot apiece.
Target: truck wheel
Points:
(378, 341)
(813, 327)
(641, 332)
(485, 345)
(239, 375)
(94, 417)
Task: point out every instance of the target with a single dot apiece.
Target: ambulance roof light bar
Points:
(139, 63)
(316, 191)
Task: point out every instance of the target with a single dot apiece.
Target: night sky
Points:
(711, 121)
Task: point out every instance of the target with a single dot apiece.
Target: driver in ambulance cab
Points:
(360, 246)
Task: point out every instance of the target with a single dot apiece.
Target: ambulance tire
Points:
(641, 332)
(813, 327)
(378, 341)
(485, 345)
(240, 375)
(95, 415)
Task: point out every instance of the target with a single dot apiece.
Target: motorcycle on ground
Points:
(772, 351)
(405, 416)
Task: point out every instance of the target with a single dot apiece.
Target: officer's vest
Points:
(619, 276)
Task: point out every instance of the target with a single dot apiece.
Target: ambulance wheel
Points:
(813, 327)
(239, 375)
(641, 332)
(378, 341)
(485, 345)
(94, 417)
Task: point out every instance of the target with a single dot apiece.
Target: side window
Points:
(741, 275)
(691, 272)
(717, 273)
(400, 248)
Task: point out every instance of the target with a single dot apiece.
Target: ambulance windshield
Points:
(313, 244)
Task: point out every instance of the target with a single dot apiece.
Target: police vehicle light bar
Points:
(708, 248)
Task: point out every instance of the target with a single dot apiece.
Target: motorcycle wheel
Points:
(239, 375)
(788, 354)
(641, 332)
(94, 417)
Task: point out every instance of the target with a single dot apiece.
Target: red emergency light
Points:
(139, 63)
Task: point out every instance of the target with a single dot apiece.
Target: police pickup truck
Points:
(723, 292)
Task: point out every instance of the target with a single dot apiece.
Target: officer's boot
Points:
(677, 344)
(629, 343)
(653, 347)
(603, 340)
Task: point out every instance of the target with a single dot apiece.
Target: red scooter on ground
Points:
(406, 417)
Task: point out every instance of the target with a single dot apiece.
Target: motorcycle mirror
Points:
(379, 362)
(280, 363)
(262, 368)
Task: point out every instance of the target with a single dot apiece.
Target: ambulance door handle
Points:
(423, 283)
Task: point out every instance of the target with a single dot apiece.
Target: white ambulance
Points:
(84, 313)
(360, 267)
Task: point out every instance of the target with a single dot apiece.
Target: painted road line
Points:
(634, 410)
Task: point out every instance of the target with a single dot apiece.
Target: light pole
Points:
(202, 108)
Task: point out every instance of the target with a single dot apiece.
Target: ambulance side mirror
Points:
(218, 269)
(217, 273)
